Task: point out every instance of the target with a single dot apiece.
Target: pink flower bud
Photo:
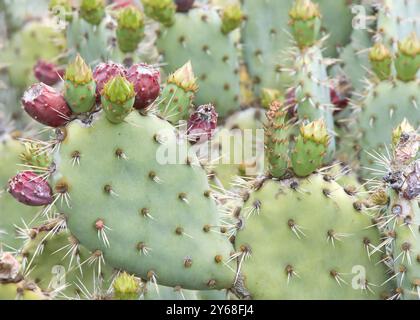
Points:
(30, 189)
(146, 81)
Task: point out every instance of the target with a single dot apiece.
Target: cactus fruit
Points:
(47, 106)
(47, 72)
(146, 82)
(93, 11)
(213, 55)
(79, 86)
(104, 72)
(160, 10)
(202, 123)
(30, 189)
(117, 99)
(178, 94)
(130, 30)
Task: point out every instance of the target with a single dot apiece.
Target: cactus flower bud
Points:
(202, 123)
(381, 60)
(79, 86)
(92, 11)
(30, 189)
(126, 287)
(104, 72)
(47, 106)
(310, 148)
(146, 82)
(9, 266)
(47, 72)
(117, 99)
(305, 22)
(232, 17)
(407, 62)
(130, 30)
(160, 10)
(184, 5)
(184, 78)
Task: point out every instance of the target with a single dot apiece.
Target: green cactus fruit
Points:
(12, 212)
(277, 140)
(407, 61)
(197, 36)
(178, 94)
(160, 10)
(322, 246)
(79, 86)
(305, 22)
(126, 287)
(62, 9)
(22, 290)
(168, 207)
(92, 11)
(60, 265)
(310, 148)
(117, 99)
(232, 17)
(381, 61)
(130, 30)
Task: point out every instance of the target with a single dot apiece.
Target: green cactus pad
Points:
(319, 240)
(168, 208)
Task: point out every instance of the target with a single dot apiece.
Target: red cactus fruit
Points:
(48, 72)
(104, 72)
(9, 266)
(146, 82)
(340, 92)
(202, 123)
(119, 4)
(30, 189)
(46, 105)
(184, 5)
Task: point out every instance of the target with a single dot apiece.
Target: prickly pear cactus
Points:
(319, 231)
(396, 197)
(389, 99)
(213, 56)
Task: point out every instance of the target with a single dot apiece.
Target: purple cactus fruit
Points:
(48, 72)
(46, 105)
(9, 266)
(291, 103)
(146, 82)
(202, 123)
(104, 72)
(340, 94)
(184, 5)
(30, 189)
